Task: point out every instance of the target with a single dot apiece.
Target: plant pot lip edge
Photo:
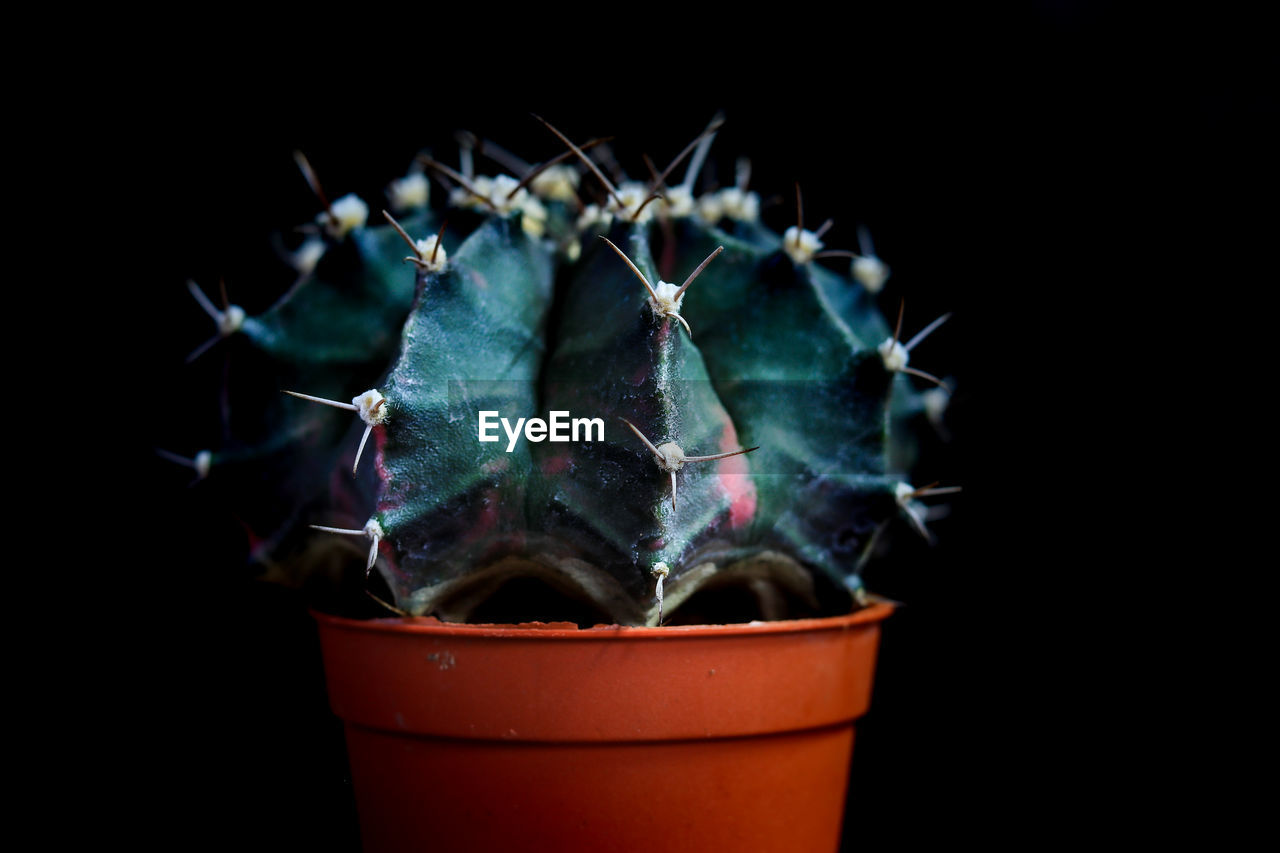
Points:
(877, 611)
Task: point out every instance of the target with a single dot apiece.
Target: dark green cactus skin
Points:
(783, 358)
(336, 329)
(820, 420)
(473, 342)
(350, 309)
(616, 358)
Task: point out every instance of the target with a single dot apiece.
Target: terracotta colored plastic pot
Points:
(547, 737)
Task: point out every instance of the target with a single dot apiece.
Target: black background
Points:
(970, 146)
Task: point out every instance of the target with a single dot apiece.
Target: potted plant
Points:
(519, 420)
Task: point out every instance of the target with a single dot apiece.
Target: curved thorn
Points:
(608, 185)
(916, 521)
(341, 530)
(349, 407)
(645, 204)
(702, 266)
(355, 468)
(309, 174)
(504, 158)
(175, 458)
(673, 491)
(439, 239)
(640, 435)
(869, 548)
(914, 372)
(721, 455)
(929, 491)
(390, 607)
(703, 142)
(924, 333)
(373, 554)
(403, 234)
(208, 306)
(918, 524)
(710, 130)
(293, 288)
(634, 268)
(559, 158)
(864, 241)
(654, 180)
(682, 322)
(466, 183)
(203, 348)
(658, 595)
(466, 144)
(610, 162)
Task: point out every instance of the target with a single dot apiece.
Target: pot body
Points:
(547, 737)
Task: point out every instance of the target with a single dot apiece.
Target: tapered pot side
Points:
(550, 737)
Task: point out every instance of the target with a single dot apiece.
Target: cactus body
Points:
(531, 312)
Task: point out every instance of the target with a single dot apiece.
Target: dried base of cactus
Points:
(767, 586)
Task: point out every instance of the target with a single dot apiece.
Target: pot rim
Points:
(877, 611)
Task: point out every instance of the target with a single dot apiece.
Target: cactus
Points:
(643, 409)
